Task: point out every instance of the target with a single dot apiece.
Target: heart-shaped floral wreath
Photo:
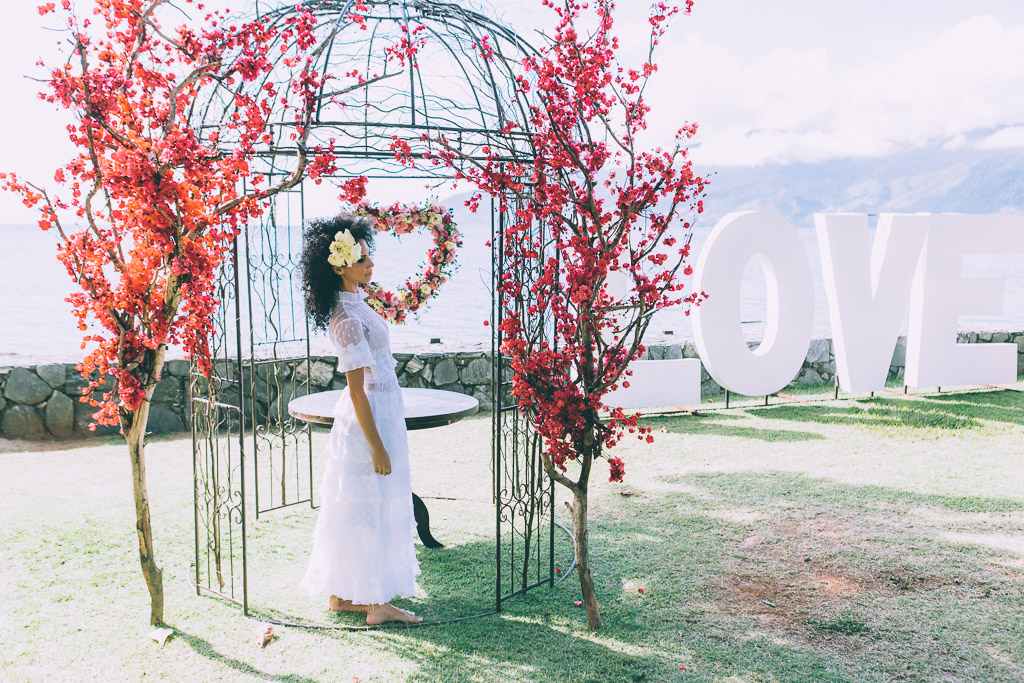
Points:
(402, 219)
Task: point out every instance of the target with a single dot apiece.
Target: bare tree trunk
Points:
(579, 524)
(133, 424)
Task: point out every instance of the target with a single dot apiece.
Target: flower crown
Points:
(344, 250)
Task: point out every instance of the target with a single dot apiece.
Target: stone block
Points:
(279, 408)
(163, 420)
(265, 383)
(177, 367)
(997, 338)
(484, 396)
(828, 368)
(427, 374)
(320, 373)
(414, 365)
(445, 372)
(323, 372)
(710, 388)
(985, 337)
(60, 415)
(83, 417)
(52, 374)
(818, 351)
(224, 368)
(809, 376)
(169, 390)
(24, 386)
(899, 354)
(690, 350)
(22, 422)
(286, 370)
(477, 372)
(674, 351)
(76, 382)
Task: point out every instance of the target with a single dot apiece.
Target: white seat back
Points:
(658, 383)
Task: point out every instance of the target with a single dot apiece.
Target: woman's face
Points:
(359, 272)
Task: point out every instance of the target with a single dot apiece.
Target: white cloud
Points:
(1011, 137)
(792, 105)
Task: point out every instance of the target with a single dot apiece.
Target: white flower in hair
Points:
(344, 250)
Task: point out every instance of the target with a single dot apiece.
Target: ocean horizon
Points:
(36, 324)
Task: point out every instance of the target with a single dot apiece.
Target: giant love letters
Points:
(915, 260)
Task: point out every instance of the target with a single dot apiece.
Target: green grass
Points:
(869, 539)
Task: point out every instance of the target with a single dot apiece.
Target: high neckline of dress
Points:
(351, 296)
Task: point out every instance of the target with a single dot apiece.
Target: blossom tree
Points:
(147, 210)
(610, 209)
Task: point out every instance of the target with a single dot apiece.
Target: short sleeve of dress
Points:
(353, 350)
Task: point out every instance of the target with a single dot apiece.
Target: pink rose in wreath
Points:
(402, 219)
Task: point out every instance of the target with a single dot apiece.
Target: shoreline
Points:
(41, 401)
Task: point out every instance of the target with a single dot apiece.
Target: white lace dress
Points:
(363, 541)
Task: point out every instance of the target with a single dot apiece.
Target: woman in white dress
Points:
(363, 553)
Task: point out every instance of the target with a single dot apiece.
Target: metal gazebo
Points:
(251, 459)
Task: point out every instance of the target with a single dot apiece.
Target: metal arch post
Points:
(497, 379)
(241, 429)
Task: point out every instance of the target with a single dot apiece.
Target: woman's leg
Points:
(336, 604)
(379, 614)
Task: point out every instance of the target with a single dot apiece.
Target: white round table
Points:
(424, 408)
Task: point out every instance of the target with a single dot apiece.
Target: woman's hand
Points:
(381, 461)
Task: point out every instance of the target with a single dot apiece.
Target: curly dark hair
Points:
(320, 284)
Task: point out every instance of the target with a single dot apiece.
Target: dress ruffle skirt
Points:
(363, 542)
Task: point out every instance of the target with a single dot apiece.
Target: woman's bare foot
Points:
(336, 604)
(379, 614)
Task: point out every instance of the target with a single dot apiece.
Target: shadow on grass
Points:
(708, 425)
(755, 489)
(204, 648)
(1003, 405)
(541, 635)
(965, 410)
(879, 412)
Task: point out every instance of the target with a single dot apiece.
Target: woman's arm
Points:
(361, 404)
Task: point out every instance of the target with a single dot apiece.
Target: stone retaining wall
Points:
(41, 401)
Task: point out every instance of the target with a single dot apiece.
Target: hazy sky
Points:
(777, 81)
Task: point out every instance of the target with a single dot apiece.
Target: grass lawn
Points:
(868, 539)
